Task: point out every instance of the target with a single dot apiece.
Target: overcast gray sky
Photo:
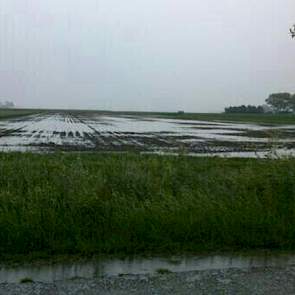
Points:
(155, 55)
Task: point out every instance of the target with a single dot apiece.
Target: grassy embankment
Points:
(127, 203)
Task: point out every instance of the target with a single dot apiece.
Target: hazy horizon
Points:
(164, 55)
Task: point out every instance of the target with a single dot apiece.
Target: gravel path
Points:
(232, 281)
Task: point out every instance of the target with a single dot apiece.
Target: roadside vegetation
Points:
(127, 203)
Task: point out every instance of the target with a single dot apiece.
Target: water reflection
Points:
(93, 132)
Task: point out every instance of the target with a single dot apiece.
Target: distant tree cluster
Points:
(292, 31)
(249, 109)
(282, 102)
(7, 105)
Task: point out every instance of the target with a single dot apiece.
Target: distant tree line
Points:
(7, 105)
(245, 109)
(282, 102)
(292, 31)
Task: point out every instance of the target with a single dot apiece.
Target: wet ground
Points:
(271, 281)
(106, 267)
(258, 274)
(94, 132)
(230, 281)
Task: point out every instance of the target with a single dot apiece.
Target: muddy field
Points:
(68, 131)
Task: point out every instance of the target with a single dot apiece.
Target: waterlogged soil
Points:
(256, 281)
(198, 275)
(66, 131)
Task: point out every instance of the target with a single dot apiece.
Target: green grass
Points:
(127, 203)
(11, 113)
(269, 119)
(272, 119)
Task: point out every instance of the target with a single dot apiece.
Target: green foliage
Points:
(283, 102)
(249, 109)
(292, 31)
(11, 113)
(127, 203)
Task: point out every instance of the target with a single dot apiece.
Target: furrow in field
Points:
(93, 135)
(54, 129)
(84, 131)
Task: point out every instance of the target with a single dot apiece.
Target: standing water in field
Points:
(93, 132)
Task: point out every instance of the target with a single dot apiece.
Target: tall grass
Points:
(12, 113)
(99, 203)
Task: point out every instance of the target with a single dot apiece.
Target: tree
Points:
(250, 109)
(292, 103)
(7, 104)
(281, 102)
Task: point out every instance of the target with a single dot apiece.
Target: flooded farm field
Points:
(67, 131)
